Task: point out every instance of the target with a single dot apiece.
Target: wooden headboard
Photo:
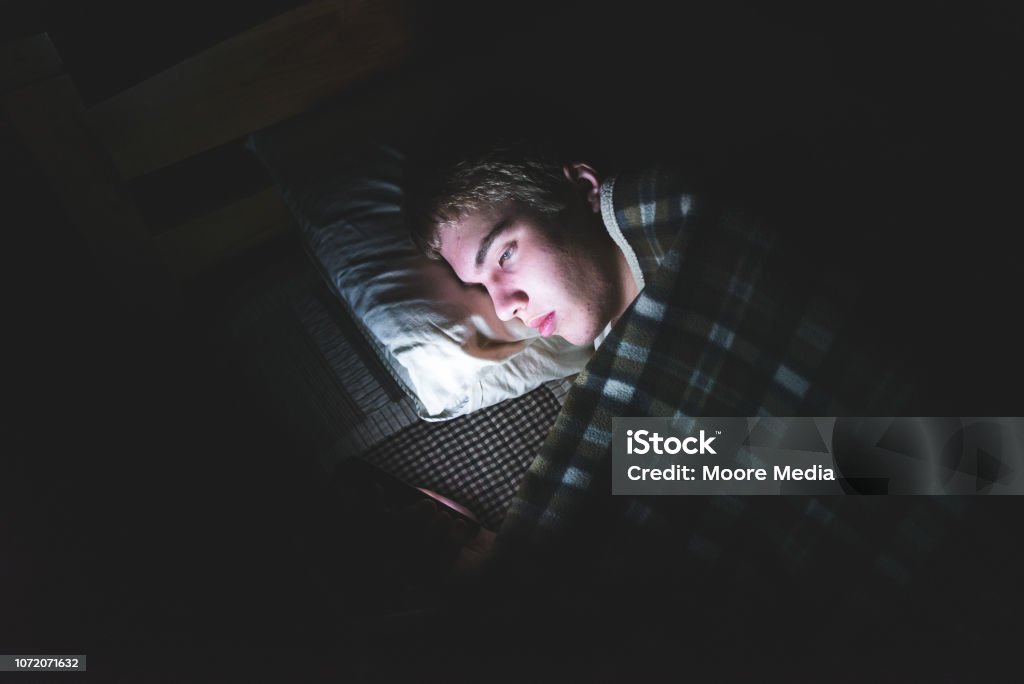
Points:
(102, 158)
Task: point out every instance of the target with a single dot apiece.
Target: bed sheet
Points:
(303, 352)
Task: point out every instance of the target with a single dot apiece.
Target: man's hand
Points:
(473, 554)
(446, 545)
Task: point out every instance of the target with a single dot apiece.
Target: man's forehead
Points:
(458, 233)
(460, 238)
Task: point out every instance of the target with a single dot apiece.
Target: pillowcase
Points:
(442, 339)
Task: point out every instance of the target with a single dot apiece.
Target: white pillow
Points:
(443, 338)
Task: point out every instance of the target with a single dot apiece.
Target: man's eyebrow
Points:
(485, 244)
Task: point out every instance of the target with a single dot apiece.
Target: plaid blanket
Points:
(730, 322)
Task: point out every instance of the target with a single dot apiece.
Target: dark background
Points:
(151, 501)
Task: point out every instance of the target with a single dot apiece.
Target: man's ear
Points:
(584, 177)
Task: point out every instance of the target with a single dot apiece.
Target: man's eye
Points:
(506, 255)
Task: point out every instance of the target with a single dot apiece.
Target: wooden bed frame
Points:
(97, 158)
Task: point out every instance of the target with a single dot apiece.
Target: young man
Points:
(536, 242)
(696, 311)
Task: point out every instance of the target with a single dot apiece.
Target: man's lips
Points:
(545, 324)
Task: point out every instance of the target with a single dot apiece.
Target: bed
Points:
(189, 179)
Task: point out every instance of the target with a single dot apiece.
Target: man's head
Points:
(529, 230)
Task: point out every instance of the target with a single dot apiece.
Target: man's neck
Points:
(628, 288)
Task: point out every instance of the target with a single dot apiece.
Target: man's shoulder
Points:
(651, 208)
(639, 195)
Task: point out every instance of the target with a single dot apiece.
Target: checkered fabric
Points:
(308, 359)
(729, 323)
(477, 459)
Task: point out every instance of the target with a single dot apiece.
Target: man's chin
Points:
(585, 339)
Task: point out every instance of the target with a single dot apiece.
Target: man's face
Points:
(562, 286)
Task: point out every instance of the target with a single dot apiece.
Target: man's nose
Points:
(509, 304)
